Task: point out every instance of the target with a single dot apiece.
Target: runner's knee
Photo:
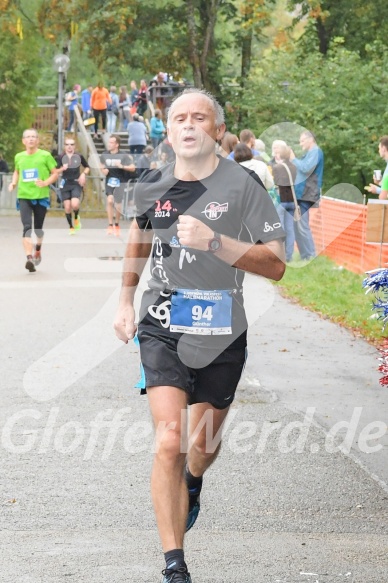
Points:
(169, 443)
(205, 447)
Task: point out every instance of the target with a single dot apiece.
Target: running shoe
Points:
(77, 223)
(110, 230)
(30, 265)
(117, 230)
(72, 231)
(37, 258)
(179, 576)
(194, 507)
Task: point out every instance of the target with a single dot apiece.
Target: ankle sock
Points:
(175, 559)
(192, 481)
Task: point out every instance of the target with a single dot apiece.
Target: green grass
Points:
(334, 293)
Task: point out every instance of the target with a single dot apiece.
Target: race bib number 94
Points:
(201, 311)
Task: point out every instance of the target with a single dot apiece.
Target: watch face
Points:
(214, 245)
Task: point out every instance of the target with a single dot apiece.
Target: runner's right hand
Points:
(124, 323)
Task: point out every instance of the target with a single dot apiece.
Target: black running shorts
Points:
(117, 192)
(215, 383)
(69, 192)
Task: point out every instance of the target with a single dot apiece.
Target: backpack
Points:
(69, 98)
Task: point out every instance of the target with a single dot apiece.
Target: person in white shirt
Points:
(243, 155)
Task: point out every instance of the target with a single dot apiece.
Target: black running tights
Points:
(27, 210)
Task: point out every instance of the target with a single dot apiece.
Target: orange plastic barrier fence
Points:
(339, 229)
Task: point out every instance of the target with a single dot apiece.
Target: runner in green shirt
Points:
(35, 170)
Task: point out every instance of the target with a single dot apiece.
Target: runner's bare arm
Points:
(50, 180)
(136, 255)
(267, 259)
(82, 177)
(14, 181)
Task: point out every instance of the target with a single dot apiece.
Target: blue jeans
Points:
(71, 120)
(137, 149)
(111, 122)
(156, 141)
(286, 214)
(303, 235)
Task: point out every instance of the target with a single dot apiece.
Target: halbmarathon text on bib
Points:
(201, 311)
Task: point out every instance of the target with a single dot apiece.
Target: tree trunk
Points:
(323, 37)
(212, 10)
(193, 45)
(246, 55)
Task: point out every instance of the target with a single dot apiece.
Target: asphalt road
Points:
(297, 495)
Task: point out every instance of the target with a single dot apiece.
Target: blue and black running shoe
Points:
(180, 575)
(194, 506)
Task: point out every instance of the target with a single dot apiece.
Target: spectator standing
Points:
(124, 108)
(3, 170)
(260, 147)
(146, 161)
(243, 155)
(134, 92)
(35, 170)
(86, 106)
(160, 92)
(286, 206)
(308, 186)
(99, 102)
(228, 142)
(85, 102)
(167, 148)
(377, 187)
(276, 149)
(176, 218)
(157, 129)
(112, 110)
(137, 135)
(72, 182)
(142, 99)
(248, 138)
(72, 99)
(162, 160)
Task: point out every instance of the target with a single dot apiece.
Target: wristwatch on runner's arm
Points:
(214, 243)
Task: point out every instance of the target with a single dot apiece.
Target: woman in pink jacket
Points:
(99, 103)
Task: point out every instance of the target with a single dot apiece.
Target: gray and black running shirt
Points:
(232, 201)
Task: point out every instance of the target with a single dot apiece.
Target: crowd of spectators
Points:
(294, 183)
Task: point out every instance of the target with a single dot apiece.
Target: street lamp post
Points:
(61, 65)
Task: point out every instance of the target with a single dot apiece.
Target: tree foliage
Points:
(168, 35)
(330, 95)
(19, 71)
(356, 21)
(326, 72)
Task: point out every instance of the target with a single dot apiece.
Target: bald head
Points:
(218, 111)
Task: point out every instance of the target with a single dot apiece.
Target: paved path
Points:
(283, 503)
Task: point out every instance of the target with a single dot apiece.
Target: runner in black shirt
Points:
(118, 168)
(72, 182)
(211, 220)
